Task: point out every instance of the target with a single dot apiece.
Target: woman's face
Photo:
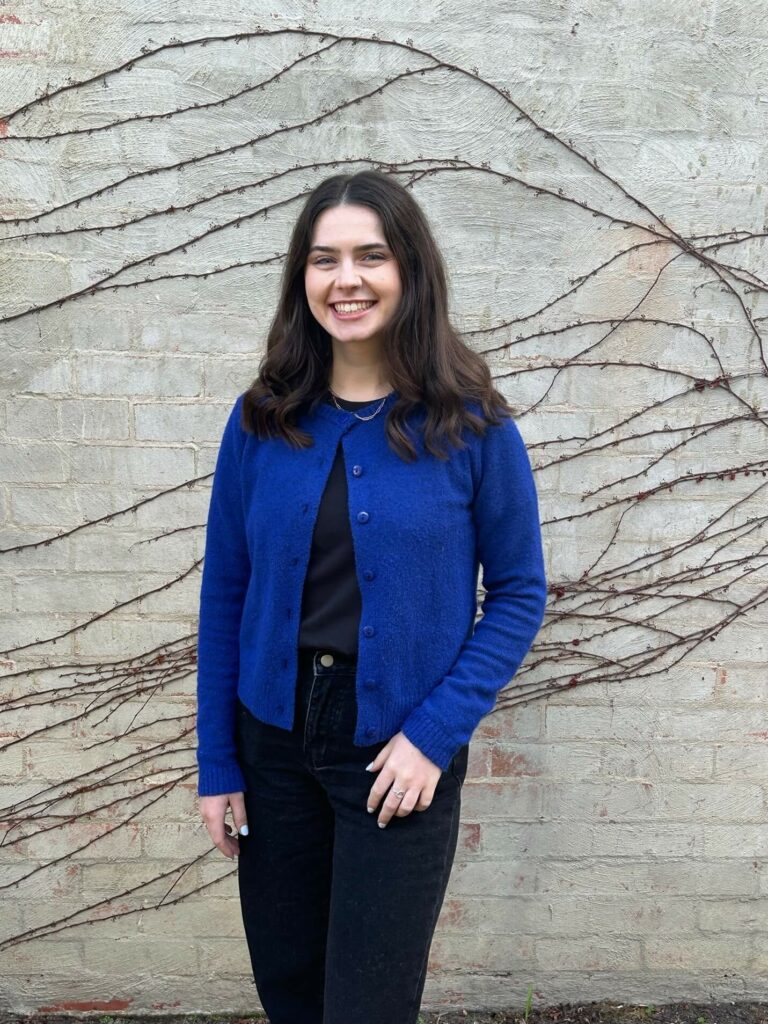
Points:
(348, 261)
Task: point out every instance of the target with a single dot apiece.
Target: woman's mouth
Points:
(351, 310)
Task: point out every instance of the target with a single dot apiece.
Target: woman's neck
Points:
(357, 392)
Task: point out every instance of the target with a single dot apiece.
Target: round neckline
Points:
(328, 410)
(357, 402)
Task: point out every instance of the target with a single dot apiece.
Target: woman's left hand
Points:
(402, 766)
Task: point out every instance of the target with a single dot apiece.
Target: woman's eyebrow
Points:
(357, 248)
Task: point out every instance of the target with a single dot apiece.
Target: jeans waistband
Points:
(325, 660)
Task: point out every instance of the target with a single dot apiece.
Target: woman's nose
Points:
(348, 274)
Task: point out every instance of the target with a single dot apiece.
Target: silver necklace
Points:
(333, 396)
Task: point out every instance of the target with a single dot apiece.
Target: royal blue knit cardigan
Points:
(421, 530)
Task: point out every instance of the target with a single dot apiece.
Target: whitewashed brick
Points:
(589, 953)
(613, 840)
(638, 801)
(129, 375)
(139, 466)
(734, 916)
(598, 837)
(161, 421)
(31, 416)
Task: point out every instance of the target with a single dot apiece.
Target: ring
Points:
(399, 792)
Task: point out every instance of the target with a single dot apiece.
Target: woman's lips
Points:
(351, 316)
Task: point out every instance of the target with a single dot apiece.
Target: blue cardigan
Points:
(420, 532)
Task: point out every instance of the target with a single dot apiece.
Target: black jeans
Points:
(339, 914)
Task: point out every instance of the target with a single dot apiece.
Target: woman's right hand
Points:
(213, 810)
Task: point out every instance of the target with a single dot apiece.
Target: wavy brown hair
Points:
(427, 362)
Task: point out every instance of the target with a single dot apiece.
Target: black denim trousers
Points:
(339, 914)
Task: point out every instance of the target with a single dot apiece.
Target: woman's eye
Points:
(322, 259)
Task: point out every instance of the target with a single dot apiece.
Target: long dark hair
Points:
(428, 364)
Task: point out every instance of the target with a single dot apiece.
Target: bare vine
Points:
(623, 615)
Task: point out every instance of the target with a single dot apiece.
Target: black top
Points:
(331, 603)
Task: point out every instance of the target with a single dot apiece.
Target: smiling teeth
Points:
(351, 307)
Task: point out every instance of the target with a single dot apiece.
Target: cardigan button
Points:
(362, 517)
(368, 630)
(370, 731)
(357, 470)
(368, 574)
(370, 684)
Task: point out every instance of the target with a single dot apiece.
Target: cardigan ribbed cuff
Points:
(430, 737)
(215, 779)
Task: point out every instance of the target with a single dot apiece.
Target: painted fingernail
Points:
(243, 830)
(369, 766)
(382, 824)
(370, 810)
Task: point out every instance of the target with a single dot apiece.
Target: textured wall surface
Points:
(585, 159)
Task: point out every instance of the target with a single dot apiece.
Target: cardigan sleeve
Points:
(226, 572)
(509, 548)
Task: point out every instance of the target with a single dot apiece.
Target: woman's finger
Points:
(393, 803)
(237, 803)
(379, 788)
(407, 803)
(226, 841)
(213, 810)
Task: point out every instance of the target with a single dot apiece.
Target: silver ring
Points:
(399, 792)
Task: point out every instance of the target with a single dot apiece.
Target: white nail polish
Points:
(369, 766)
(243, 830)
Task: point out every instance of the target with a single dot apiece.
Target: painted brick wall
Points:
(614, 838)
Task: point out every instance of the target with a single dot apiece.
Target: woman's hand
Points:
(402, 763)
(213, 810)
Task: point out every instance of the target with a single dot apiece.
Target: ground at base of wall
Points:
(611, 1013)
(564, 1013)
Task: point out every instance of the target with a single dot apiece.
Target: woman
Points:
(361, 481)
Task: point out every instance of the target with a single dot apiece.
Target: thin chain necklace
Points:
(333, 396)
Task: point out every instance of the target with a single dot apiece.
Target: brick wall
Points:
(614, 838)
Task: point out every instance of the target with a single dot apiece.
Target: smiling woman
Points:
(341, 671)
(353, 292)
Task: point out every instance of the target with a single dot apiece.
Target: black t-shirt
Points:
(331, 604)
